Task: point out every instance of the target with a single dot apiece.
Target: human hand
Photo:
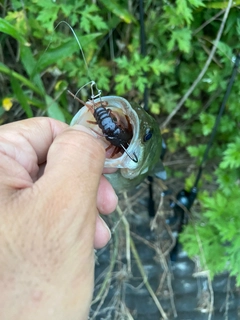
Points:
(51, 191)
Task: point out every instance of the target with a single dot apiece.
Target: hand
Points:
(51, 191)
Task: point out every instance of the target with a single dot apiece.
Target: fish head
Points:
(145, 144)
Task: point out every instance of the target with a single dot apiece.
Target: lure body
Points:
(112, 131)
(146, 141)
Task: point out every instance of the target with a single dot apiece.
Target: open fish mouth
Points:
(128, 117)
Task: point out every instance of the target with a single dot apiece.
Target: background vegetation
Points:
(39, 62)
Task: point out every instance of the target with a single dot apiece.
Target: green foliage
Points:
(182, 38)
(216, 238)
(40, 59)
(207, 121)
(133, 73)
(231, 156)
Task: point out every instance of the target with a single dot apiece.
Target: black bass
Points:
(138, 155)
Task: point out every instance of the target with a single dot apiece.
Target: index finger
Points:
(33, 135)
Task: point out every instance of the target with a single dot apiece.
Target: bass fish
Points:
(132, 137)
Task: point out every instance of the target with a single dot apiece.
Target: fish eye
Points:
(148, 135)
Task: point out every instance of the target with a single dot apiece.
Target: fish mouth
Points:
(128, 116)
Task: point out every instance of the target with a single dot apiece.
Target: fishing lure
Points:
(116, 129)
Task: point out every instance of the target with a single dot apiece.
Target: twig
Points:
(158, 213)
(166, 275)
(107, 280)
(201, 74)
(206, 272)
(128, 237)
(128, 203)
(227, 300)
(144, 276)
(208, 21)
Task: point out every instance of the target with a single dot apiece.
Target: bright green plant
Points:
(50, 59)
(215, 236)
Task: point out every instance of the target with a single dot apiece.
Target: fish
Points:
(141, 158)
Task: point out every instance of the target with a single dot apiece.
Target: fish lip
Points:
(124, 161)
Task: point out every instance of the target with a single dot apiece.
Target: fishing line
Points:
(91, 82)
(78, 42)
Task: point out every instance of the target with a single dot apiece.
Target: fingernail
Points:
(79, 127)
(106, 226)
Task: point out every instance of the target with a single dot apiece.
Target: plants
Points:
(44, 60)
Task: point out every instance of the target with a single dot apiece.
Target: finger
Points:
(38, 133)
(102, 234)
(106, 197)
(73, 170)
(25, 144)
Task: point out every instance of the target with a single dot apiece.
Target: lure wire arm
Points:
(92, 84)
(99, 92)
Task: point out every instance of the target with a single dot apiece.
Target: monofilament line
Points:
(78, 42)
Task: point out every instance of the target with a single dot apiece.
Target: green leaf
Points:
(196, 151)
(9, 29)
(238, 27)
(226, 179)
(196, 3)
(53, 109)
(162, 67)
(141, 83)
(221, 4)
(90, 17)
(49, 15)
(29, 63)
(207, 121)
(65, 50)
(85, 23)
(184, 11)
(21, 97)
(231, 156)
(114, 7)
(16, 4)
(155, 107)
(123, 84)
(98, 22)
(2, 111)
(182, 37)
(19, 77)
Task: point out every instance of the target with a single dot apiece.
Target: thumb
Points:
(74, 166)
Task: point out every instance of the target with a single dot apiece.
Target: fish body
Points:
(146, 144)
